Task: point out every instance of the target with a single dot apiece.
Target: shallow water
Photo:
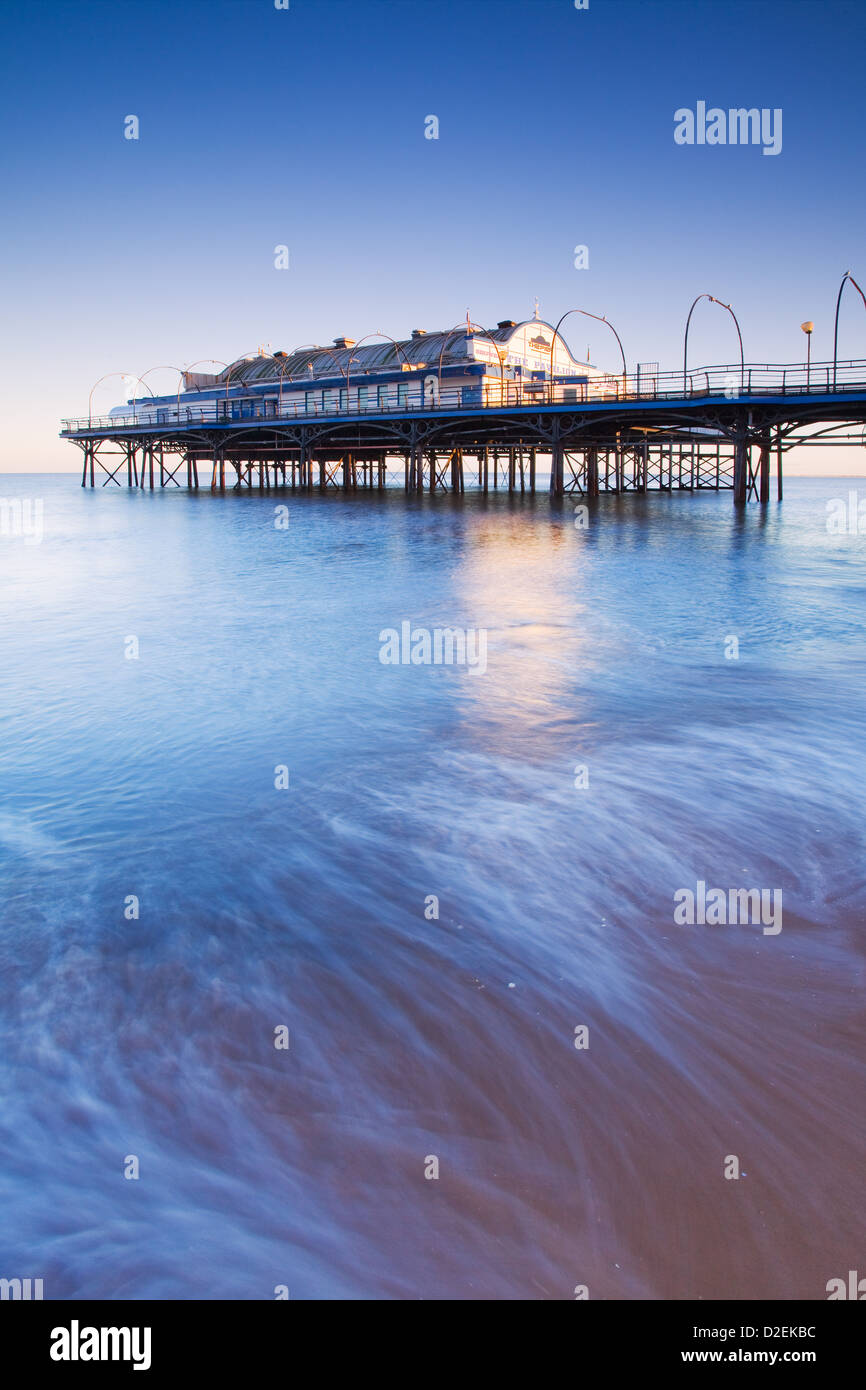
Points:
(305, 907)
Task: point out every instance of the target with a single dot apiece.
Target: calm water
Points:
(451, 1037)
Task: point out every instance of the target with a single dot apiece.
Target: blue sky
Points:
(305, 127)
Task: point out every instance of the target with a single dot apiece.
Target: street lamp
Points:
(186, 373)
(163, 367)
(242, 361)
(846, 277)
(808, 328)
(377, 334)
(289, 358)
(599, 318)
(469, 329)
(125, 376)
(723, 305)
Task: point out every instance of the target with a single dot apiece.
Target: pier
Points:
(359, 419)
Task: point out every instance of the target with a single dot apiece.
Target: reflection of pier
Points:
(719, 428)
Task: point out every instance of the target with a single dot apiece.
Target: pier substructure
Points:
(741, 468)
(613, 446)
(584, 465)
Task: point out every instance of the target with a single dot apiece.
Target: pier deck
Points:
(717, 428)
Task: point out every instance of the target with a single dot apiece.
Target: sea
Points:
(433, 897)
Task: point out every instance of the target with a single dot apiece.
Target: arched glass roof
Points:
(317, 362)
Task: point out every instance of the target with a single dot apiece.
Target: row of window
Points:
(333, 400)
(365, 397)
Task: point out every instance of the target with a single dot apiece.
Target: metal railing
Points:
(727, 382)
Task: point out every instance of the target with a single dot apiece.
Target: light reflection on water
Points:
(155, 778)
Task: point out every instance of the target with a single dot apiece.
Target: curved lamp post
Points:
(164, 367)
(186, 372)
(468, 329)
(282, 371)
(305, 347)
(161, 367)
(846, 276)
(335, 359)
(599, 318)
(127, 376)
(343, 370)
(352, 359)
(245, 357)
(713, 300)
(303, 377)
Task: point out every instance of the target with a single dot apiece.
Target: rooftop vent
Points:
(506, 323)
(344, 342)
(419, 332)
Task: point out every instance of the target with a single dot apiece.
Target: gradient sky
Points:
(305, 127)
